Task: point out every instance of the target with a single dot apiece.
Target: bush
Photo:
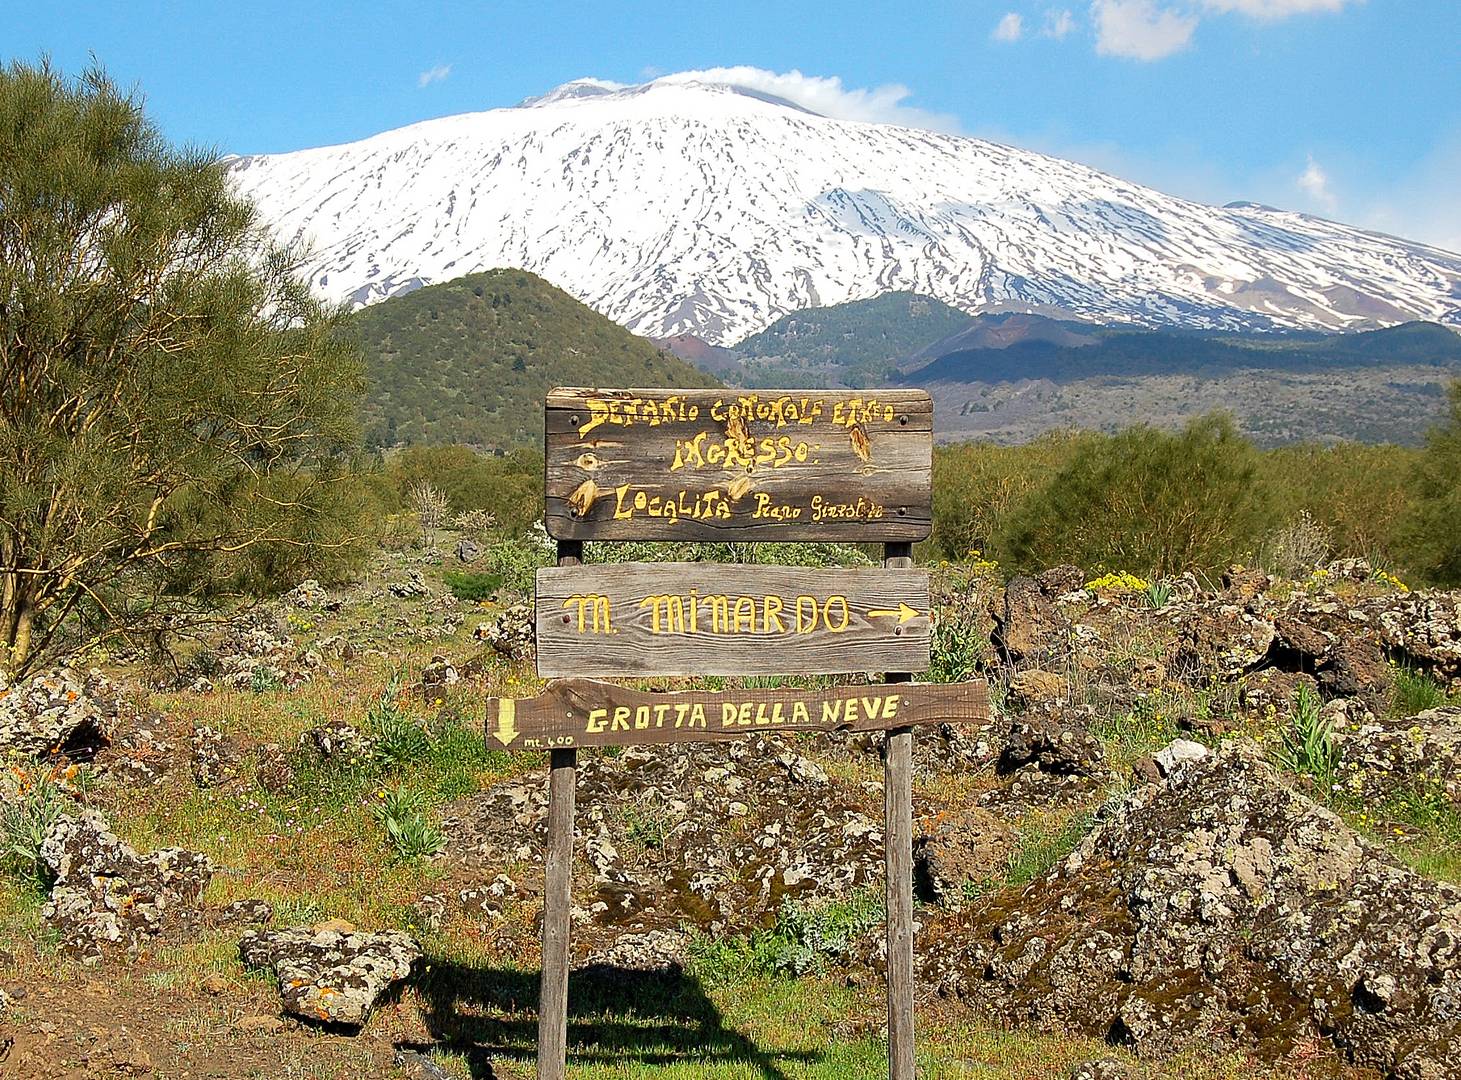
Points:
(473, 587)
(1150, 501)
(1434, 526)
(509, 488)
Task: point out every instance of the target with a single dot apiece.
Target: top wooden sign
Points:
(739, 465)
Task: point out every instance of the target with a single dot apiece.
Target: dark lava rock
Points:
(330, 976)
(1028, 628)
(105, 892)
(1052, 741)
(957, 848)
(1223, 905)
(714, 835)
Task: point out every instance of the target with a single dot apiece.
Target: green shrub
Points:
(473, 587)
(805, 938)
(1434, 526)
(397, 739)
(1149, 501)
(399, 809)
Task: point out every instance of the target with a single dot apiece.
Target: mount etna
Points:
(682, 207)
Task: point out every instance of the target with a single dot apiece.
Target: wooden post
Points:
(557, 893)
(898, 856)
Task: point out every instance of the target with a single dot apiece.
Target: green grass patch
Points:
(1415, 691)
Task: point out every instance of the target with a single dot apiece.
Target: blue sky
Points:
(1349, 108)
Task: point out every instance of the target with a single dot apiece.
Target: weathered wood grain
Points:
(739, 465)
(627, 620)
(572, 713)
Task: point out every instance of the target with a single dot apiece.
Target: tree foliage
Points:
(173, 403)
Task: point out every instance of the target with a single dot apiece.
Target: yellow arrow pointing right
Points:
(506, 731)
(902, 611)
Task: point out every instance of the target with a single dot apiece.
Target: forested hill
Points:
(470, 360)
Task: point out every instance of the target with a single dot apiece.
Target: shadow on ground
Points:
(615, 1016)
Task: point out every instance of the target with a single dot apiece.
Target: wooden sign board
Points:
(739, 465)
(627, 620)
(580, 712)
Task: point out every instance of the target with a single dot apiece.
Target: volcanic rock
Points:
(1223, 905)
(105, 892)
(327, 975)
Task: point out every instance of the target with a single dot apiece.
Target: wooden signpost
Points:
(633, 619)
(798, 465)
(739, 465)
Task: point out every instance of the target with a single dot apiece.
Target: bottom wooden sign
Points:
(582, 712)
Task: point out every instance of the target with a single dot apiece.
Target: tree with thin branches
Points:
(175, 407)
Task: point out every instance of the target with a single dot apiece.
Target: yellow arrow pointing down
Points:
(506, 731)
(903, 611)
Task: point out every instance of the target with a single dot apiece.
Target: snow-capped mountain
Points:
(681, 207)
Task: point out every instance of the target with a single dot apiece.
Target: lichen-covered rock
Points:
(244, 912)
(653, 950)
(413, 586)
(511, 634)
(308, 594)
(1223, 905)
(439, 672)
(336, 739)
(702, 834)
(104, 892)
(1423, 629)
(1419, 756)
(214, 761)
(330, 976)
(52, 712)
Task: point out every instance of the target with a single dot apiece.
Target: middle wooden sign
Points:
(629, 620)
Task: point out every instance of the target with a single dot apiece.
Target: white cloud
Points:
(1273, 9)
(1010, 28)
(1139, 29)
(434, 74)
(1058, 23)
(1314, 182)
(826, 95)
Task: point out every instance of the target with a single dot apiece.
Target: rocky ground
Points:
(1214, 830)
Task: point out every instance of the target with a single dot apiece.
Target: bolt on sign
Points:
(673, 465)
(739, 465)
(638, 619)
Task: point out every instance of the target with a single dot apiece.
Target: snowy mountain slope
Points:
(678, 207)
